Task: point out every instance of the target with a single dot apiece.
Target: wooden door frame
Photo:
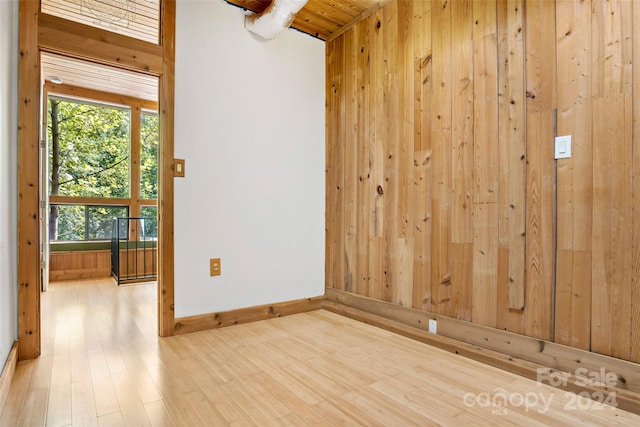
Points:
(40, 32)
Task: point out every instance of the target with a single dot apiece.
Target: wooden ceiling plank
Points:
(324, 9)
(351, 8)
(114, 86)
(323, 25)
(50, 62)
(58, 35)
(364, 15)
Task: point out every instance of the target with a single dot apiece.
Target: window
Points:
(150, 222)
(92, 159)
(88, 149)
(87, 222)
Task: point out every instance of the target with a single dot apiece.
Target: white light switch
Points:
(563, 147)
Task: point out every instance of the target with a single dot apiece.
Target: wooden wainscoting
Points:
(79, 265)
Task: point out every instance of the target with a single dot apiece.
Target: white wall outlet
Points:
(433, 326)
(563, 147)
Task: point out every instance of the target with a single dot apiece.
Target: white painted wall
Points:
(8, 136)
(250, 122)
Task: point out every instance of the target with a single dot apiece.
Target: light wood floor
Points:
(102, 364)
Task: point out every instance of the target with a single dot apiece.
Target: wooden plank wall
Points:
(442, 190)
(79, 265)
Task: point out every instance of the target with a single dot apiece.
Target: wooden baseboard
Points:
(203, 322)
(623, 399)
(544, 353)
(7, 375)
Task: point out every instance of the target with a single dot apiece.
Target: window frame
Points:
(137, 107)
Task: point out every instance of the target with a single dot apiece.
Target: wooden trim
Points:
(59, 35)
(166, 268)
(355, 21)
(7, 375)
(28, 181)
(204, 322)
(134, 170)
(625, 399)
(101, 201)
(98, 95)
(534, 350)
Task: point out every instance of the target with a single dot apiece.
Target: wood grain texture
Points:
(28, 154)
(166, 260)
(612, 262)
(462, 130)
(520, 71)
(539, 270)
(334, 230)
(363, 101)
(423, 176)
(540, 54)
(61, 36)
(612, 186)
(79, 265)
(635, 278)
(291, 370)
(202, 322)
(512, 345)
(350, 190)
(575, 198)
(485, 264)
(441, 120)
(390, 144)
(376, 155)
(512, 149)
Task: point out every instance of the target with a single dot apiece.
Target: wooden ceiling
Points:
(74, 72)
(319, 18)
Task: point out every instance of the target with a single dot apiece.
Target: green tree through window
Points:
(149, 156)
(90, 157)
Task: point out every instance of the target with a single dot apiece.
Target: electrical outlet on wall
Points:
(433, 326)
(214, 267)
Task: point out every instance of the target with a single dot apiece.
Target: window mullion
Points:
(134, 174)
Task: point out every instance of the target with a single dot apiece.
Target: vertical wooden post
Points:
(166, 313)
(28, 181)
(134, 172)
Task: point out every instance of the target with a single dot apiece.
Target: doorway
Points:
(41, 32)
(99, 166)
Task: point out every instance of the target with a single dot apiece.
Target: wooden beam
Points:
(203, 322)
(93, 94)
(71, 200)
(28, 182)
(59, 35)
(166, 268)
